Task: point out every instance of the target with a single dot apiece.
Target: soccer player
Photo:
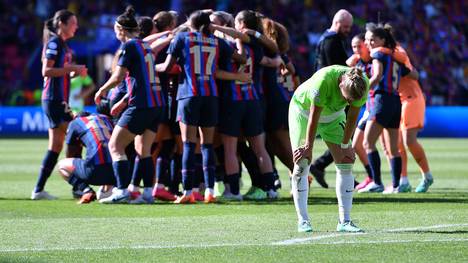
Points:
(56, 69)
(362, 60)
(277, 97)
(317, 107)
(412, 121)
(197, 52)
(92, 131)
(240, 108)
(250, 22)
(140, 120)
(385, 109)
(331, 50)
(168, 131)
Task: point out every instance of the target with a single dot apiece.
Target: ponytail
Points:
(355, 84)
(51, 25)
(127, 20)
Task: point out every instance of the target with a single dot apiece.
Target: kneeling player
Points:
(93, 131)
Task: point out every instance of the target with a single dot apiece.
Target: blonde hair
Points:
(354, 84)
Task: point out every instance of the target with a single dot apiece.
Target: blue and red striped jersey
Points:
(94, 132)
(286, 82)
(138, 58)
(392, 72)
(366, 68)
(238, 90)
(57, 88)
(256, 53)
(278, 88)
(197, 54)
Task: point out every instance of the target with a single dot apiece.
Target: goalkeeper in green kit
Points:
(318, 107)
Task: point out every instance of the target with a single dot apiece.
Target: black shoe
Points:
(319, 176)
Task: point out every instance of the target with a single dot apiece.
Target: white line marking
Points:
(307, 239)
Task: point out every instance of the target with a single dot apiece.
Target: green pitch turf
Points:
(431, 227)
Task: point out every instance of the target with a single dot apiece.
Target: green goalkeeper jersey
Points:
(322, 90)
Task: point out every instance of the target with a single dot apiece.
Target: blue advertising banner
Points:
(25, 121)
(31, 122)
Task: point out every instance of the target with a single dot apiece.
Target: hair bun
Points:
(130, 11)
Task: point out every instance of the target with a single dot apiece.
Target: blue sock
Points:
(48, 164)
(121, 172)
(395, 164)
(188, 165)
(374, 162)
(198, 177)
(233, 180)
(77, 183)
(251, 163)
(136, 174)
(147, 171)
(209, 165)
(219, 171)
(368, 170)
(162, 163)
(176, 177)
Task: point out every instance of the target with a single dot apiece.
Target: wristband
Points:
(257, 34)
(345, 145)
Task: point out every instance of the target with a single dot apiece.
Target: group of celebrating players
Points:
(183, 101)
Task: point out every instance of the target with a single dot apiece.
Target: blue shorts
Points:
(87, 171)
(57, 112)
(199, 111)
(363, 120)
(237, 116)
(276, 116)
(137, 120)
(386, 110)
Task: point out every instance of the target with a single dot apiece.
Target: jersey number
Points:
(197, 53)
(245, 68)
(154, 80)
(395, 76)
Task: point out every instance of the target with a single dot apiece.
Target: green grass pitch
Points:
(431, 227)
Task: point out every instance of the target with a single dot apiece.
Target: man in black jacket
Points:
(331, 50)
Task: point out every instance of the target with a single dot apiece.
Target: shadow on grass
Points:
(320, 199)
(444, 232)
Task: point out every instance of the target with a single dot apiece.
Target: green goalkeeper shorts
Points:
(331, 132)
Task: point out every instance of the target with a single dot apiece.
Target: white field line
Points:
(308, 239)
(296, 241)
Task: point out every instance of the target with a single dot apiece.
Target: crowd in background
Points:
(433, 33)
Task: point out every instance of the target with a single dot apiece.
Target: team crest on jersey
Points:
(52, 45)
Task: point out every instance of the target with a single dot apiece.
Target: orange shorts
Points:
(412, 113)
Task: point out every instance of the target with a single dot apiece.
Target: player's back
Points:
(94, 132)
(138, 58)
(198, 55)
(392, 71)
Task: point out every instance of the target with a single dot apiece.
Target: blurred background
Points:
(433, 32)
